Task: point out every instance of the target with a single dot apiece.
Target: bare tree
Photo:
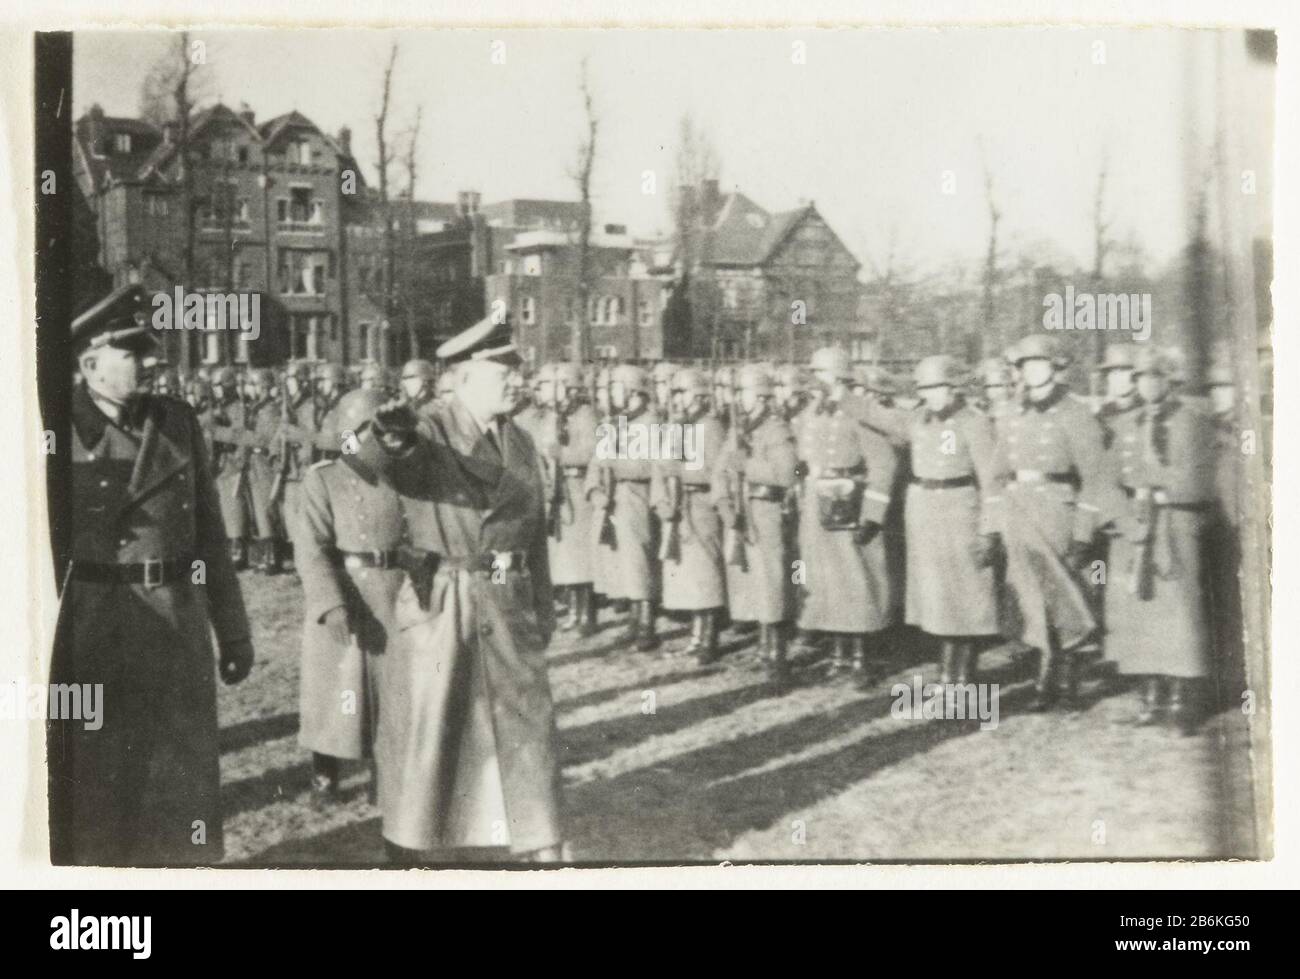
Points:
(410, 228)
(974, 343)
(694, 301)
(1101, 245)
(581, 176)
(168, 96)
(385, 210)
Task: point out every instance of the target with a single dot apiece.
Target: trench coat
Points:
(144, 788)
(758, 481)
(263, 441)
(630, 567)
(1167, 450)
(471, 705)
(846, 586)
(346, 508)
(947, 593)
(1049, 459)
(567, 459)
(696, 580)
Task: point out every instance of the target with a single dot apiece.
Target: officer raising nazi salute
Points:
(150, 581)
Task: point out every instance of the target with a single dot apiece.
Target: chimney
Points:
(246, 113)
(345, 140)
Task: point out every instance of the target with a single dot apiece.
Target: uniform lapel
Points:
(471, 443)
(158, 460)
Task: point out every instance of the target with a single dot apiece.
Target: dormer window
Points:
(121, 142)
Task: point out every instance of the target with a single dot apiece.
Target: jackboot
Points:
(1045, 691)
(586, 611)
(696, 642)
(238, 552)
(840, 655)
(570, 621)
(1150, 708)
(947, 661)
(708, 652)
(1184, 706)
(1071, 667)
(274, 551)
(865, 674)
(964, 662)
(324, 781)
(778, 669)
(647, 640)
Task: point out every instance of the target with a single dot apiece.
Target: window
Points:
(121, 142)
(212, 348)
(156, 204)
(282, 210)
(529, 312)
(363, 277)
(243, 154)
(532, 265)
(364, 334)
(645, 312)
(300, 152)
(730, 297)
(299, 204)
(317, 212)
(302, 273)
(243, 274)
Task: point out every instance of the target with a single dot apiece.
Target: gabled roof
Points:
(218, 113)
(93, 134)
(272, 128)
(737, 234)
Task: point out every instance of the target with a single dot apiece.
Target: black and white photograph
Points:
(537, 448)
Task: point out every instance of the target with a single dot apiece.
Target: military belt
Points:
(1038, 476)
(151, 573)
(487, 561)
(853, 472)
(632, 479)
(369, 559)
(1160, 498)
(765, 491)
(696, 487)
(957, 482)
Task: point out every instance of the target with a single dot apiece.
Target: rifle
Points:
(555, 511)
(1142, 573)
(671, 547)
(277, 486)
(608, 536)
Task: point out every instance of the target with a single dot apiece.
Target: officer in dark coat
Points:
(149, 582)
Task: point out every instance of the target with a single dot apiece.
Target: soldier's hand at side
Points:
(865, 532)
(336, 624)
(236, 660)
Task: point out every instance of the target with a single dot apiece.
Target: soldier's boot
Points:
(1045, 690)
(1150, 708)
(632, 634)
(570, 620)
(648, 639)
(865, 672)
(1184, 706)
(708, 652)
(274, 555)
(966, 664)
(839, 662)
(805, 643)
(324, 780)
(1071, 668)
(778, 668)
(586, 611)
(947, 661)
(697, 634)
(403, 857)
(287, 561)
(238, 552)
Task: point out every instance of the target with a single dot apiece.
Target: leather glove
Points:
(236, 660)
(336, 624)
(865, 532)
(420, 567)
(987, 548)
(1076, 556)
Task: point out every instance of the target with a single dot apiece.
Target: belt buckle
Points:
(352, 562)
(380, 559)
(153, 572)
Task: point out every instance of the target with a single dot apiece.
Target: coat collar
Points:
(1057, 394)
(159, 456)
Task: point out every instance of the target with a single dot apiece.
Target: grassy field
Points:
(666, 762)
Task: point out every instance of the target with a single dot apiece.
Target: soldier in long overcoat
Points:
(293, 450)
(1048, 456)
(850, 475)
(567, 441)
(263, 441)
(1164, 461)
(346, 543)
(229, 433)
(472, 705)
(618, 484)
(951, 591)
(149, 582)
(690, 532)
(754, 491)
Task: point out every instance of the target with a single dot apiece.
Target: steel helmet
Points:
(754, 377)
(832, 359)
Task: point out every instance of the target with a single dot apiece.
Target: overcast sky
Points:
(866, 127)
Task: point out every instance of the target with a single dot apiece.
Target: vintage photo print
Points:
(517, 448)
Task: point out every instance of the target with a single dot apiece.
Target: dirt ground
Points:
(665, 762)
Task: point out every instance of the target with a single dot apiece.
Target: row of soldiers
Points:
(817, 501)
